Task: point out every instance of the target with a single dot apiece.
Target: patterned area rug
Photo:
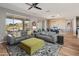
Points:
(48, 50)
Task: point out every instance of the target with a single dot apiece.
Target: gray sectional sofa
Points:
(47, 36)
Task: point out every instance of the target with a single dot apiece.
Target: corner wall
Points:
(74, 26)
(2, 24)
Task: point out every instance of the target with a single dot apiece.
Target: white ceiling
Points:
(49, 10)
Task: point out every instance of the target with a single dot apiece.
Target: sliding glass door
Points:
(14, 26)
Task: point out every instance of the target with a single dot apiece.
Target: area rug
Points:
(48, 50)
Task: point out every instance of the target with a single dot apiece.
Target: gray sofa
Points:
(47, 36)
(11, 40)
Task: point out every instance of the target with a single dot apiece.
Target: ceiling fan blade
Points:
(35, 4)
(30, 8)
(38, 8)
(28, 4)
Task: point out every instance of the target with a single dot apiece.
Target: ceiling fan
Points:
(33, 5)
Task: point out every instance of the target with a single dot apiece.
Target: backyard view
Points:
(14, 26)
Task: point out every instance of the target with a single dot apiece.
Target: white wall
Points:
(45, 24)
(74, 26)
(42, 24)
(2, 24)
(39, 25)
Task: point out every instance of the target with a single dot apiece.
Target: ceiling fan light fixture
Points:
(33, 5)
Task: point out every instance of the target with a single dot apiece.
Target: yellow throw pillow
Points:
(17, 34)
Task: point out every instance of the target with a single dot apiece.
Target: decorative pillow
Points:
(17, 34)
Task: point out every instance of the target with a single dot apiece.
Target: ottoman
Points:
(32, 45)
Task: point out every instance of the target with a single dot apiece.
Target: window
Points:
(26, 25)
(13, 25)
